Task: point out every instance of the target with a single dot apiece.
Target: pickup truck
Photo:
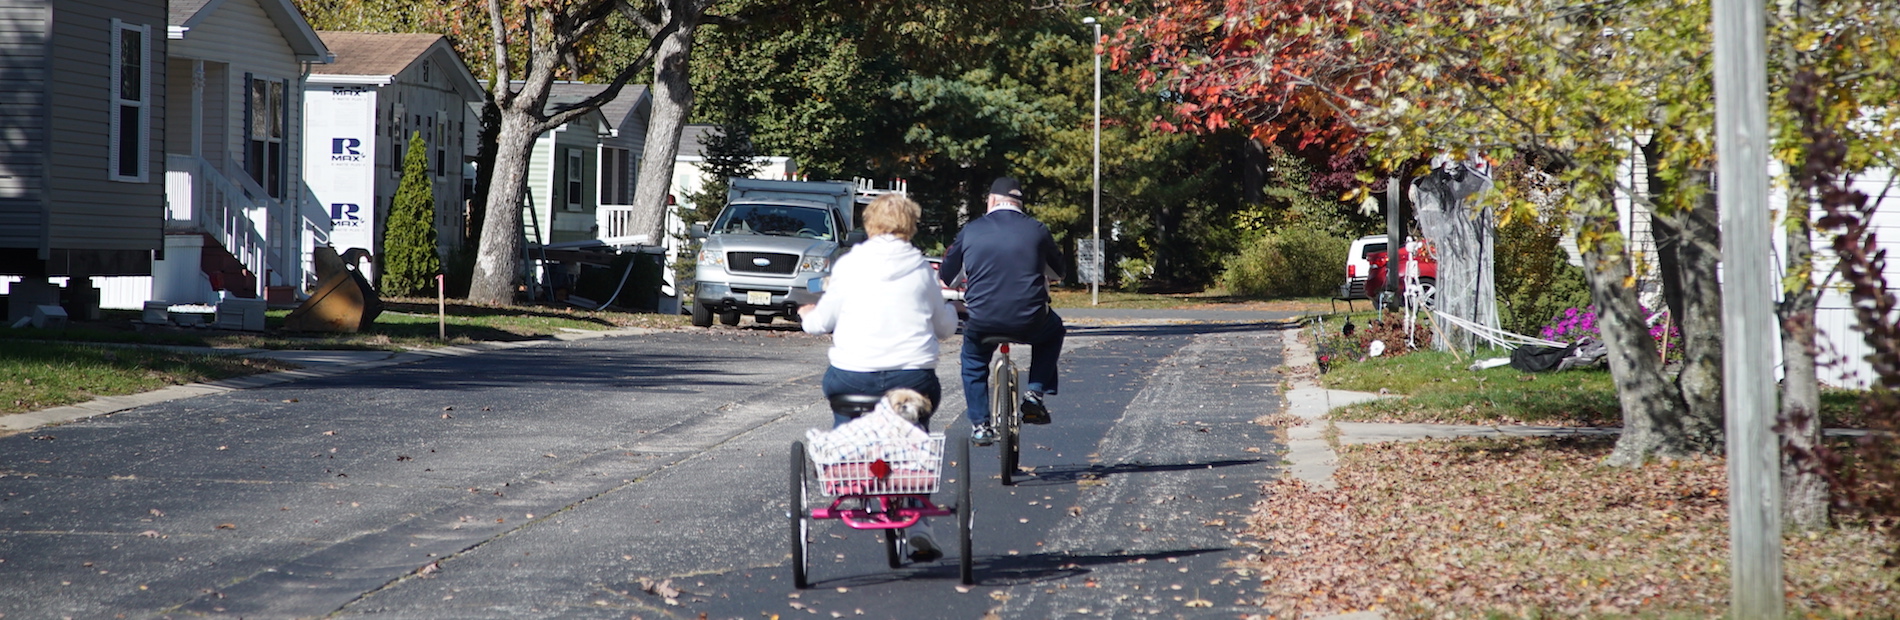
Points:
(770, 239)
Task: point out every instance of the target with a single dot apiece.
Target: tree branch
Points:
(498, 85)
(634, 67)
(639, 19)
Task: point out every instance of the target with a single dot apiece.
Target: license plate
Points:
(758, 298)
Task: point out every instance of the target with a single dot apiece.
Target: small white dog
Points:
(907, 403)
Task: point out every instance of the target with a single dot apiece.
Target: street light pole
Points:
(1101, 256)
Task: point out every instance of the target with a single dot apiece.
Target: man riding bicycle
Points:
(1009, 260)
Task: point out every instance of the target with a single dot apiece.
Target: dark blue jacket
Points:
(1005, 255)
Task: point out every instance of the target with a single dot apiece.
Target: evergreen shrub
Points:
(410, 262)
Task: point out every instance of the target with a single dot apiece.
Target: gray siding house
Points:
(82, 138)
(581, 175)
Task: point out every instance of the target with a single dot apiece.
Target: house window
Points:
(576, 169)
(441, 147)
(129, 145)
(267, 110)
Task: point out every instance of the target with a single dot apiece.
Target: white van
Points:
(1358, 268)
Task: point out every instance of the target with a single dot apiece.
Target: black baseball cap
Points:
(1005, 186)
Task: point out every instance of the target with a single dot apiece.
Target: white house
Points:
(238, 208)
(1842, 363)
(362, 110)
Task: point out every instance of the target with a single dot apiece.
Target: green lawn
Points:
(1439, 389)
(404, 323)
(48, 368)
(38, 375)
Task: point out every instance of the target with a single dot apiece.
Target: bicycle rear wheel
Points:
(800, 517)
(1003, 416)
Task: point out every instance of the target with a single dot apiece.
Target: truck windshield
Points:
(780, 220)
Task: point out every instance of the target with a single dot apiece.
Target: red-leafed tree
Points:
(1286, 71)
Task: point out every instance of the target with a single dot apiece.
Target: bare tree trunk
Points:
(1652, 408)
(1698, 256)
(498, 267)
(1804, 498)
(672, 105)
(1688, 251)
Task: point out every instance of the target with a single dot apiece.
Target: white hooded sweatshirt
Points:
(883, 308)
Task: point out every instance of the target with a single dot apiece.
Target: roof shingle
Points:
(373, 53)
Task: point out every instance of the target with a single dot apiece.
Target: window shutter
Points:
(145, 105)
(283, 162)
(249, 118)
(113, 127)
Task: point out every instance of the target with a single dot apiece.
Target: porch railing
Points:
(201, 199)
(623, 224)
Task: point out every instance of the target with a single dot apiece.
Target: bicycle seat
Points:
(854, 405)
(991, 341)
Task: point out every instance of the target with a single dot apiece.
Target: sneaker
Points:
(922, 549)
(982, 435)
(1033, 411)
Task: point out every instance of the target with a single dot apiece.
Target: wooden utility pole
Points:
(1748, 328)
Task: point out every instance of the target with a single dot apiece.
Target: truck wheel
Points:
(730, 317)
(763, 319)
(702, 315)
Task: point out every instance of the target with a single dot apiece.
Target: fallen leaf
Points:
(227, 526)
(149, 533)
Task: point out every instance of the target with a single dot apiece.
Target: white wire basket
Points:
(886, 468)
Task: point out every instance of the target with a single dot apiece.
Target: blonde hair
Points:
(892, 214)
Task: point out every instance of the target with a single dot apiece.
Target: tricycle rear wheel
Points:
(965, 513)
(800, 517)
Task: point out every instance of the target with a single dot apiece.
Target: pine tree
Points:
(410, 263)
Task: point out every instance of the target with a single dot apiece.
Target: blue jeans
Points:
(924, 380)
(1045, 341)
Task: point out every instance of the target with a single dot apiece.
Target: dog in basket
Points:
(889, 433)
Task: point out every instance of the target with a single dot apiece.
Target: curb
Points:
(103, 405)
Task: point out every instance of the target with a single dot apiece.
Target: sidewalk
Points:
(311, 364)
(1310, 455)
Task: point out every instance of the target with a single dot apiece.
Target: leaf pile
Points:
(1531, 528)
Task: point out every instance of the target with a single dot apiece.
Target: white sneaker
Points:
(922, 548)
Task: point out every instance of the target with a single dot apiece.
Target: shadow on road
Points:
(1055, 475)
(1179, 329)
(1005, 570)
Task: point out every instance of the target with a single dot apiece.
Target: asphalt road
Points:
(637, 477)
